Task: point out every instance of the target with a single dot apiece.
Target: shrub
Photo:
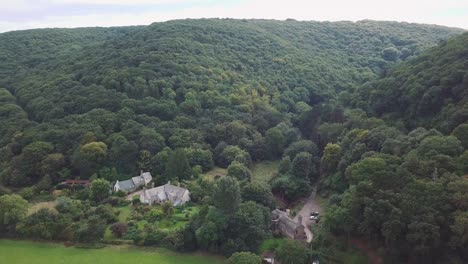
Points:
(27, 193)
(168, 209)
(136, 200)
(155, 215)
(120, 193)
(119, 229)
(106, 213)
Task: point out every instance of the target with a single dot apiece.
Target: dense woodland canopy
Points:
(428, 91)
(367, 110)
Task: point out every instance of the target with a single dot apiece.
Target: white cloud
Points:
(449, 12)
(16, 5)
(122, 2)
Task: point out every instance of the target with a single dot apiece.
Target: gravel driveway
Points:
(310, 206)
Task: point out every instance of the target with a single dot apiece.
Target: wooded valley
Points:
(372, 114)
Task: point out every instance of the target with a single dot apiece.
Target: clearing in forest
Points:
(264, 171)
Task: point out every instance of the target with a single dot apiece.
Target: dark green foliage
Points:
(461, 133)
(301, 146)
(428, 90)
(239, 171)
(303, 166)
(291, 187)
(177, 166)
(390, 54)
(13, 209)
(90, 230)
(74, 208)
(106, 213)
(258, 193)
(250, 224)
(46, 224)
(292, 252)
(119, 229)
(285, 165)
(226, 195)
(199, 157)
(100, 189)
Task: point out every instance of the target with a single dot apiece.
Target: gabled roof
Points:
(135, 182)
(147, 177)
(166, 192)
(143, 179)
(126, 185)
(155, 192)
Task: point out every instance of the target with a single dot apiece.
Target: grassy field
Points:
(264, 171)
(26, 252)
(216, 171)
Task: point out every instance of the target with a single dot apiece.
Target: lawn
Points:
(264, 171)
(124, 213)
(26, 252)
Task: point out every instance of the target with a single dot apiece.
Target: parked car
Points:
(315, 216)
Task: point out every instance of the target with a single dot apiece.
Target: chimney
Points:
(287, 212)
(141, 172)
(143, 195)
(299, 219)
(152, 185)
(168, 182)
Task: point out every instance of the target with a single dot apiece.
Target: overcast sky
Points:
(26, 14)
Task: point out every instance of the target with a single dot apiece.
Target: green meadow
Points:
(19, 252)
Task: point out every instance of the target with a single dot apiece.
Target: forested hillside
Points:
(405, 191)
(179, 84)
(367, 111)
(430, 90)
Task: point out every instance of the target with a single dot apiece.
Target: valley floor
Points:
(19, 252)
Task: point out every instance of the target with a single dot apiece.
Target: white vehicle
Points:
(315, 216)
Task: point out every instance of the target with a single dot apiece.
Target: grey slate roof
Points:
(169, 192)
(135, 182)
(127, 185)
(284, 218)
